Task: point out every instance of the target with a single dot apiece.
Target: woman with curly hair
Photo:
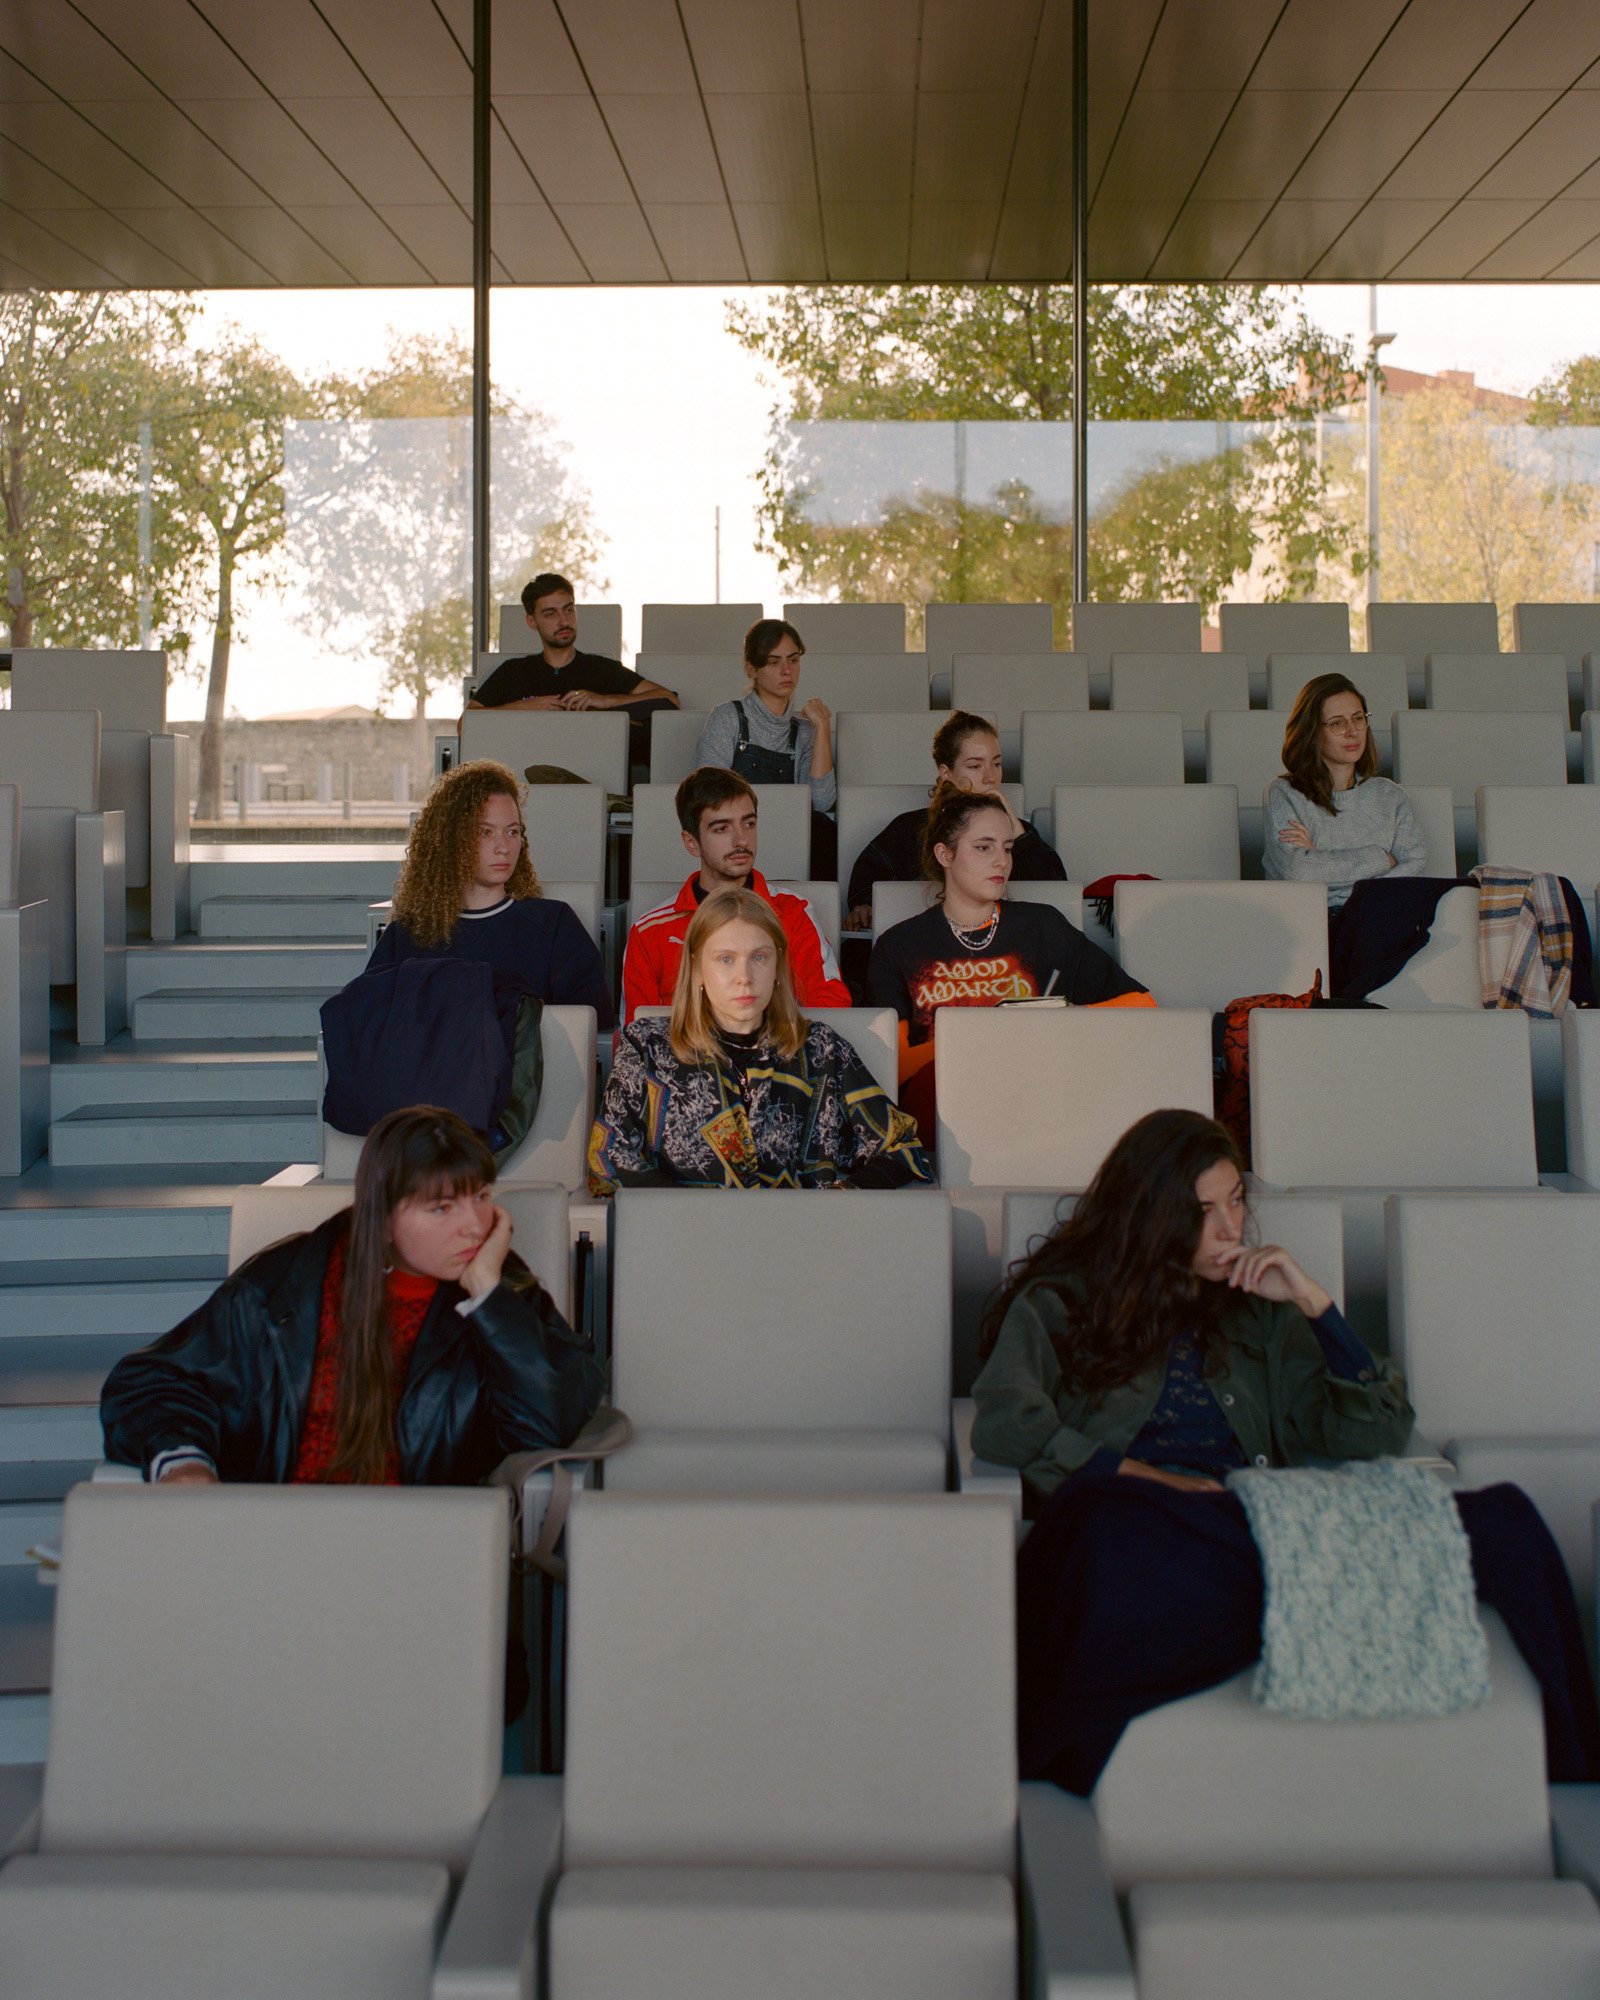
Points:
(468, 890)
(1140, 1354)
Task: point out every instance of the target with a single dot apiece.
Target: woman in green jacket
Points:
(1141, 1353)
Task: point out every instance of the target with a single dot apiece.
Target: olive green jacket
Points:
(1275, 1388)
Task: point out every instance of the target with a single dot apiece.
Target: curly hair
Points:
(443, 852)
(1302, 740)
(1122, 1261)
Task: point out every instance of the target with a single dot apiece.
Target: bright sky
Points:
(666, 419)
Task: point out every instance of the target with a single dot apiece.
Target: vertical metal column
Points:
(1080, 301)
(480, 328)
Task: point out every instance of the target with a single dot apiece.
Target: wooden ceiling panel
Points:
(666, 147)
(28, 184)
(195, 245)
(953, 241)
(1547, 47)
(176, 152)
(267, 145)
(764, 146)
(864, 147)
(963, 147)
(402, 47)
(1041, 165)
(1545, 242)
(1162, 146)
(363, 243)
(531, 244)
(1119, 40)
(867, 241)
(614, 241)
(1261, 146)
(530, 52)
(1124, 238)
(20, 86)
(987, 49)
(441, 130)
(632, 47)
(1461, 239)
(279, 244)
(86, 246)
(782, 241)
(288, 46)
(1364, 142)
(1212, 48)
(1052, 53)
(1437, 44)
(697, 241)
(1318, 47)
(62, 139)
(1584, 266)
(176, 50)
(1292, 236)
(850, 47)
(1564, 144)
(372, 151)
(1380, 234)
(438, 235)
(52, 39)
(1467, 138)
(1208, 236)
(1033, 243)
(745, 46)
(567, 147)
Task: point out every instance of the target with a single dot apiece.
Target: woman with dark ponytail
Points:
(974, 948)
(401, 1343)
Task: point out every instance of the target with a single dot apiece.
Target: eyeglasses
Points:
(1356, 721)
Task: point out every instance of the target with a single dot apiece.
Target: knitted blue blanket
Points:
(1370, 1610)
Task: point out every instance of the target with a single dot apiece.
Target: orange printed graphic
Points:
(971, 982)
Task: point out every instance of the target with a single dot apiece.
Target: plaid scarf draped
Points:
(1525, 943)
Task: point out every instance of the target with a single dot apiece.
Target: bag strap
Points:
(607, 1431)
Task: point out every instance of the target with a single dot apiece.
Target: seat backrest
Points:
(1245, 751)
(1416, 630)
(1498, 683)
(893, 902)
(758, 1681)
(1181, 833)
(1440, 1099)
(1193, 684)
(1436, 817)
(1202, 944)
(593, 743)
(796, 1359)
(53, 756)
(1309, 1227)
(674, 738)
(783, 839)
(1464, 751)
(10, 845)
(697, 628)
(1381, 677)
(879, 683)
(277, 1670)
(1572, 630)
(540, 1235)
(699, 680)
(566, 831)
(1005, 685)
(599, 631)
(982, 628)
(1580, 1078)
(885, 749)
(823, 898)
(127, 689)
(1098, 749)
(582, 898)
(873, 1032)
(1491, 1310)
(849, 628)
(1100, 630)
(863, 811)
(261, 1216)
(1036, 1096)
(1542, 827)
(1261, 630)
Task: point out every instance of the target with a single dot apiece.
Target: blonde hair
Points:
(692, 1031)
(442, 852)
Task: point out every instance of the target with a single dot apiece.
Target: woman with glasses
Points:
(468, 890)
(1330, 818)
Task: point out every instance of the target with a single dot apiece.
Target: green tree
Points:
(843, 516)
(80, 374)
(1570, 395)
(381, 511)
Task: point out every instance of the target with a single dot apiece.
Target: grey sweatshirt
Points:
(770, 732)
(1369, 822)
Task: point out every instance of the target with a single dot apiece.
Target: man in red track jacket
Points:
(717, 811)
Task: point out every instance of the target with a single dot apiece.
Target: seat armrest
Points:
(980, 1475)
(1419, 1450)
(491, 1944)
(21, 1789)
(1073, 1943)
(1575, 1822)
(110, 1473)
(536, 1490)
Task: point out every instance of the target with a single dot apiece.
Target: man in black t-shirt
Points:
(558, 675)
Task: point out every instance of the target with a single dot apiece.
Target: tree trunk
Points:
(209, 802)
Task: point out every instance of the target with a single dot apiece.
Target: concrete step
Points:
(128, 1245)
(122, 1135)
(24, 1728)
(265, 918)
(45, 1450)
(194, 964)
(66, 1370)
(365, 872)
(137, 1310)
(289, 1013)
(220, 1074)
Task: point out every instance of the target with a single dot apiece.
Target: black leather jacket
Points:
(234, 1377)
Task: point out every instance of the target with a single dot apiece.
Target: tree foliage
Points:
(1571, 395)
(1181, 523)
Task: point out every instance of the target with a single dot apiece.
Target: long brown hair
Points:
(1302, 740)
(419, 1152)
(442, 852)
(1121, 1262)
(692, 1030)
(948, 812)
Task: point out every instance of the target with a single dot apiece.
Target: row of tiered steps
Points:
(124, 1230)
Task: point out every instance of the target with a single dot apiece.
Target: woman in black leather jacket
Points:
(402, 1342)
